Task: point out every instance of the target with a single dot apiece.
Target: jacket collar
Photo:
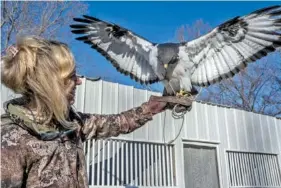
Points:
(33, 122)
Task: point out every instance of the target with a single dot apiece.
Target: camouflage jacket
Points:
(27, 160)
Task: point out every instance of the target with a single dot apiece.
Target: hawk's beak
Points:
(165, 66)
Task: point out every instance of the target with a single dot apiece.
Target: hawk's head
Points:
(168, 54)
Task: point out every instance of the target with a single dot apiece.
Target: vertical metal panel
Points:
(224, 143)
(212, 122)
(195, 107)
(268, 171)
(273, 173)
(131, 163)
(246, 170)
(114, 174)
(231, 168)
(107, 99)
(250, 169)
(103, 163)
(243, 170)
(118, 162)
(168, 165)
(140, 164)
(92, 95)
(108, 167)
(136, 173)
(201, 122)
(277, 134)
(266, 135)
(277, 170)
(152, 165)
(172, 166)
(145, 168)
(245, 129)
(235, 122)
(261, 169)
(123, 97)
(164, 164)
(262, 146)
(230, 116)
(156, 165)
(257, 132)
(122, 165)
(217, 122)
(127, 162)
(190, 127)
(80, 95)
(249, 125)
(160, 165)
(241, 130)
(227, 127)
(273, 135)
(98, 161)
(148, 164)
(258, 181)
(238, 170)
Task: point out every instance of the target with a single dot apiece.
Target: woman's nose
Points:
(78, 81)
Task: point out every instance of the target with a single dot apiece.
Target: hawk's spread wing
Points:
(229, 47)
(128, 52)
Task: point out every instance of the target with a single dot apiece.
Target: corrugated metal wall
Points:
(230, 129)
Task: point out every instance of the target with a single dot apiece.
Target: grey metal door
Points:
(200, 167)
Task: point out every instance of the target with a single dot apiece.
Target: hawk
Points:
(217, 55)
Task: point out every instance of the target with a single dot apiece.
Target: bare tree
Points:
(256, 89)
(45, 18)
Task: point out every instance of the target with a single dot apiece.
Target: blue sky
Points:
(156, 21)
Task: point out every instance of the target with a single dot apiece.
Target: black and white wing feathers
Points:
(128, 52)
(229, 47)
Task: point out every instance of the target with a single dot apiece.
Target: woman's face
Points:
(72, 81)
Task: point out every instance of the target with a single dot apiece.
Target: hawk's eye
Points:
(108, 29)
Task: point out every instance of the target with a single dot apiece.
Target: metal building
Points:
(211, 147)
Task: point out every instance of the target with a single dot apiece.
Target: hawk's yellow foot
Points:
(182, 93)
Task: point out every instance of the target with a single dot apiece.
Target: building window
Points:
(200, 166)
(253, 169)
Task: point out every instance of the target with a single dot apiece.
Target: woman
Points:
(41, 134)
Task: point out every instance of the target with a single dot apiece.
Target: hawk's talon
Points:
(182, 93)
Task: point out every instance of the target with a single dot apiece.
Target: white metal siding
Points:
(232, 129)
(236, 129)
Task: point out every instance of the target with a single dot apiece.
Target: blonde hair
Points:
(38, 71)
